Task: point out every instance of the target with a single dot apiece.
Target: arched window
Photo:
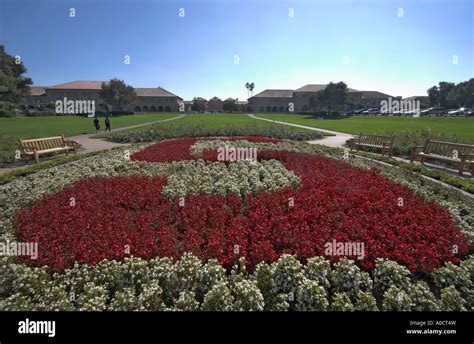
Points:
(269, 109)
(145, 109)
(160, 108)
(275, 109)
(167, 109)
(137, 109)
(153, 109)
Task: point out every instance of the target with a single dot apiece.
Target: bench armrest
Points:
(413, 152)
(467, 156)
(73, 142)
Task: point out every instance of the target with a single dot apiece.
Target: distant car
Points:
(460, 111)
(411, 112)
(437, 110)
(371, 111)
(41, 112)
(358, 112)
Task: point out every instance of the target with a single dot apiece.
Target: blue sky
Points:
(196, 55)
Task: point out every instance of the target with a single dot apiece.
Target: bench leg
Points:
(35, 156)
(461, 168)
(472, 170)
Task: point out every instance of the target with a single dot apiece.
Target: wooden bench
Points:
(47, 145)
(460, 154)
(384, 143)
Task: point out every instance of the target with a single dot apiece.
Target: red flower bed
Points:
(176, 150)
(334, 202)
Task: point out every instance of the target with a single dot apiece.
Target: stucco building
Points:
(284, 100)
(148, 99)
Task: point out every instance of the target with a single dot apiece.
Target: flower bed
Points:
(122, 210)
(335, 202)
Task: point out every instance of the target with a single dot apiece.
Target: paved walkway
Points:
(337, 140)
(90, 144)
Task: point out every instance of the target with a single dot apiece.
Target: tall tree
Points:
(433, 94)
(249, 86)
(333, 96)
(463, 94)
(117, 94)
(14, 86)
(439, 94)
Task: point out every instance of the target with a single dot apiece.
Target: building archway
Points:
(274, 109)
(145, 109)
(103, 107)
(281, 109)
(167, 109)
(269, 109)
(160, 108)
(138, 109)
(153, 109)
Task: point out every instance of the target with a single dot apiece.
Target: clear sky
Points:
(218, 46)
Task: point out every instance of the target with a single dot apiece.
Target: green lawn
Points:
(32, 127)
(214, 121)
(463, 128)
(197, 125)
(11, 129)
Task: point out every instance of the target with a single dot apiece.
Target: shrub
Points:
(365, 301)
(186, 302)
(319, 270)
(287, 276)
(219, 298)
(93, 298)
(459, 277)
(451, 300)
(341, 302)
(311, 296)
(388, 273)
(346, 277)
(281, 303)
(186, 273)
(263, 276)
(210, 274)
(396, 299)
(247, 297)
(150, 298)
(124, 300)
(422, 298)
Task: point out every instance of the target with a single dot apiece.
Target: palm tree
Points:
(249, 87)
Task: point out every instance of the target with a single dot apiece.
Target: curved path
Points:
(90, 144)
(337, 139)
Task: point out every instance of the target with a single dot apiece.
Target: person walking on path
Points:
(107, 123)
(96, 124)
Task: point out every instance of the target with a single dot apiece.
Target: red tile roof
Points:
(37, 90)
